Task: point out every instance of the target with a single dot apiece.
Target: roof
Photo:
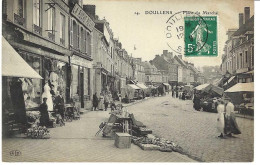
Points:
(180, 60)
(133, 86)
(201, 87)
(13, 64)
(248, 26)
(241, 87)
(141, 85)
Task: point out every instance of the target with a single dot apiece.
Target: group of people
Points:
(103, 101)
(178, 92)
(226, 118)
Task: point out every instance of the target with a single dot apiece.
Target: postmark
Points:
(190, 34)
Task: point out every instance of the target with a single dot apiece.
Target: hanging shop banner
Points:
(81, 61)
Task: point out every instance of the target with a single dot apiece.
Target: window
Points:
(62, 29)
(252, 54)
(71, 32)
(88, 43)
(75, 32)
(78, 37)
(19, 7)
(50, 22)
(50, 13)
(246, 56)
(36, 12)
(241, 60)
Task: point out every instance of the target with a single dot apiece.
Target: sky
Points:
(146, 32)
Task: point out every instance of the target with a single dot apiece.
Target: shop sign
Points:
(79, 13)
(81, 61)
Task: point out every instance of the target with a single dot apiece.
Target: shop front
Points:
(80, 87)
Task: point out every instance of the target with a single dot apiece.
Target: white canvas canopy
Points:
(13, 64)
(201, 87)
(141, 85)
(241, 87)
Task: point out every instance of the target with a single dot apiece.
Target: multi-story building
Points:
(153, 76)
(81, 31)
(139, 73)
(238, 57)
(38, 30)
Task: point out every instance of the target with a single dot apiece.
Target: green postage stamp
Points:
(200, 36)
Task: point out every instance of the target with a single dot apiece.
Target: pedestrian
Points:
(59, 100)
(95, 101)
(183, 95)
(106, 100)
(177, 93)
(231, 124)
(44, 115)
(221, 118)
(173, 92)
(196, 102)
(101, 102)
(113, 105)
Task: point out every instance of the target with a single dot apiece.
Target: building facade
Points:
(38, 30)
(238, 57)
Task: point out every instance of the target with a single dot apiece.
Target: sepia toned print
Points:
(127, 81)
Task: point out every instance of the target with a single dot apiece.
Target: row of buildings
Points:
(67, 44)
(238, 59)
(70, 47)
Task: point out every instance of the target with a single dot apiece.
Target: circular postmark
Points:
(186, 33)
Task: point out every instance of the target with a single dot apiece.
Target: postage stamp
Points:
(190, 34)
(200, 36)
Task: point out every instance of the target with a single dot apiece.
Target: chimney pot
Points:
(247, 13)
(241, 18)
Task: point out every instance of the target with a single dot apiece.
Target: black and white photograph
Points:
(128, 81)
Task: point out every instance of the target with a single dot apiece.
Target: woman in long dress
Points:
(231, 124)
(221, 119)
(47, 94)
(101, 105)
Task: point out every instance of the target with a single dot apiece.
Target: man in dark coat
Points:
(44, 119)
(60, 104)
(196, 102)
(95, 101)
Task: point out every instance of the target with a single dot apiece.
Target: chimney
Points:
(170, 54)
(90, 10)
(247, 13)
(241, 19)
(180, 56)
(165, 52)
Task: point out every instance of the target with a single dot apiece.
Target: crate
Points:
(122, 140)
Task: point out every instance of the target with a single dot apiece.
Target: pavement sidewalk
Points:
(76, 142)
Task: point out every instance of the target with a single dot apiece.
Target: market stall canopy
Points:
(231, 78)
(166, 84)
(133, 86)
(13, 64)
(241, 87)
(201, 87)
(141, 85)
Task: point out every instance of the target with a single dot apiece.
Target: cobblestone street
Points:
(194, 131)
(76, 142)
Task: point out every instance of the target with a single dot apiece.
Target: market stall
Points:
(242, 96)
(130, 92)
(143, 87)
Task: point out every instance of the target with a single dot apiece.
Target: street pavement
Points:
(76, 142)
(195, 131)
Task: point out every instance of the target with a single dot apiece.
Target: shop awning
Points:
(166, 84)
(231, 78)
(133, 86)
(201, 87)
(241, 87)
(13, 64)
(141, 85)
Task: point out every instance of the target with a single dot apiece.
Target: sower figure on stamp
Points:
(198, 33)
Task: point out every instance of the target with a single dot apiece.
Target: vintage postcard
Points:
(127, 81)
